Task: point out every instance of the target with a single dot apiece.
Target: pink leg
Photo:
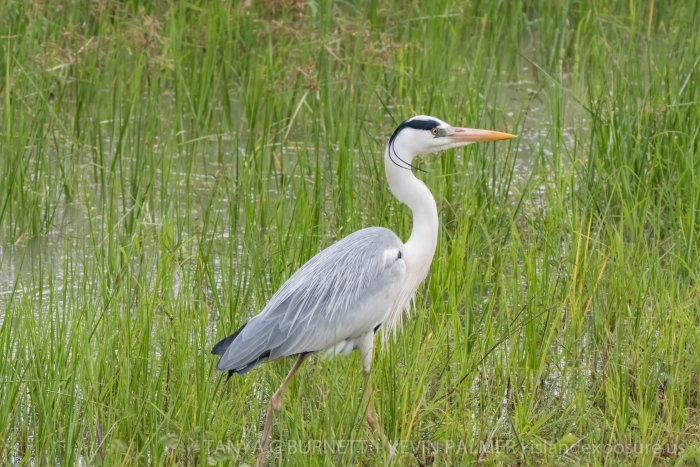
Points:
(273, 408)
(372, 422)
(366, 350)
(370, 409)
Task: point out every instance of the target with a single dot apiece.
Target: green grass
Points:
(165, 166)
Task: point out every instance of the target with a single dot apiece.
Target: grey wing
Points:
(341, 293)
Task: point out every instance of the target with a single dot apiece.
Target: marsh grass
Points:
(165, 167)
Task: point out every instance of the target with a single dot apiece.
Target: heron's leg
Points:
(371, 419)
(273, 408)
(366, 348)
(370, 408)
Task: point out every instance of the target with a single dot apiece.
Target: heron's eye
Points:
(435, 131)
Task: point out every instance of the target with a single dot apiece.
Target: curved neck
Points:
(414, 194)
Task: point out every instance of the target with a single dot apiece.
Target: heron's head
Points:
(423, 134)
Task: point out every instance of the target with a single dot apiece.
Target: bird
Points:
(338, 300)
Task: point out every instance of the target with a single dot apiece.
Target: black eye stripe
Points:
(416, 124)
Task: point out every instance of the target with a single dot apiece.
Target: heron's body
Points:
(318, 309)
(339, 299)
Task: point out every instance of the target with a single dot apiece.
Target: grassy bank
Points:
(165, 167)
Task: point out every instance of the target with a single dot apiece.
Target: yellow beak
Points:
(471, 135)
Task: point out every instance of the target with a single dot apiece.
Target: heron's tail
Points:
(245, 357)
(221, 346)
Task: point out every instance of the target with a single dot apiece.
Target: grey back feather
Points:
(341, 293)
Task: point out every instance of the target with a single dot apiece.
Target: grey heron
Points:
(340, 298)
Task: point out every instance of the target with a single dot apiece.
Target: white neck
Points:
(414, 194)
(419, 250)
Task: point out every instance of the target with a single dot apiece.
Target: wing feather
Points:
(343, 292)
